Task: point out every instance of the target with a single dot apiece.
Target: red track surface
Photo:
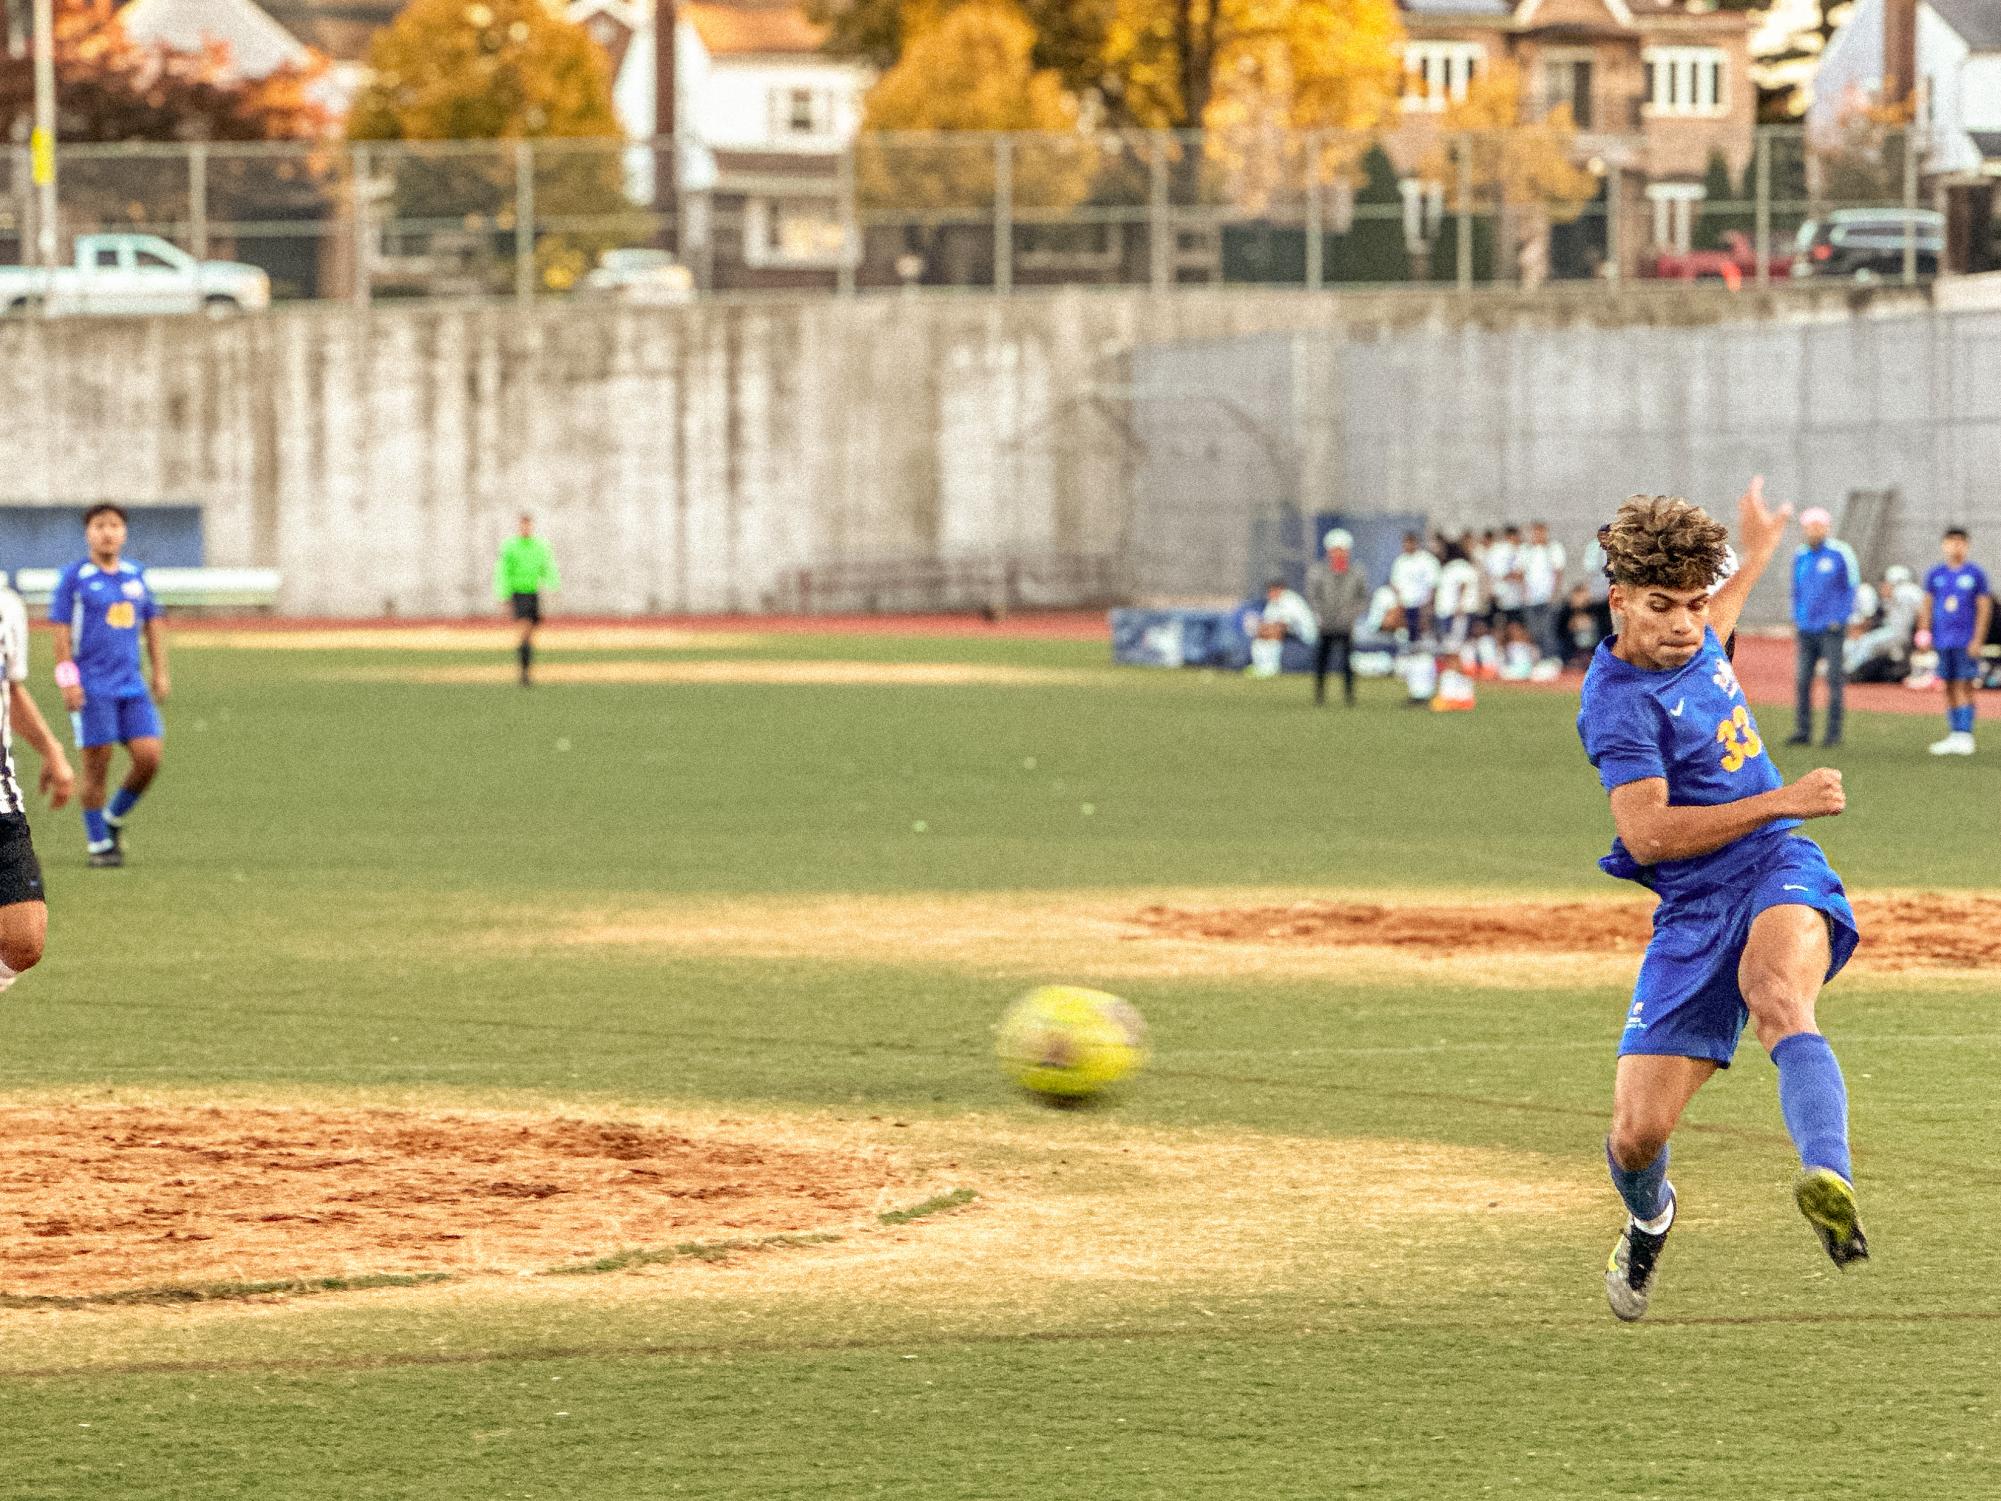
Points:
(1764, 663)
(1765, 667)
(1045, 625)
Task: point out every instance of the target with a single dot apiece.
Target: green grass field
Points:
(1345, 1237)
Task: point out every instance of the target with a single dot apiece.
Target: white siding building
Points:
(762, 119)
(1958, 72)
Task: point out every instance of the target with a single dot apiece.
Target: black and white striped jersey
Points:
(13, 669)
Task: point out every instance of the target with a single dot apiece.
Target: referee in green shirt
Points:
(526, 568)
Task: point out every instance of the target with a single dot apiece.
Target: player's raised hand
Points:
(1818, 794)
(1759, 526)
(58, 782)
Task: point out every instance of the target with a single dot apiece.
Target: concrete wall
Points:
(1480, 426)
(685, 459)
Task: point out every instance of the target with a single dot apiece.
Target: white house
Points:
(259, 44)
(1958, 72)
(761, 118)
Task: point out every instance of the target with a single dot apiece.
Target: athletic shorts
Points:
(528, 607)
(1957, 664)
(20, 871)
(1686, 1004)
(105, 719)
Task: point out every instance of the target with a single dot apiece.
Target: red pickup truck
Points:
(1733, 265)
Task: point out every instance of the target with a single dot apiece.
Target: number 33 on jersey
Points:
(1740, 739)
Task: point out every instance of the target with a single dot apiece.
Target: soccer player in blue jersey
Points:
(1953, 621)
(100, 609)
(1752, 920)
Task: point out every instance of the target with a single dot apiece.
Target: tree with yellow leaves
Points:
(970, 70)
(1161, 64)
(499, 70)
(1293, 91)
(1307, 64)
(1519, 167)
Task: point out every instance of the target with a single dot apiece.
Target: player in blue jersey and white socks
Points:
(102, 609)
(1752, 920)
(1953, 622)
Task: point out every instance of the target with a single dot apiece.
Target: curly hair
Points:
(1664, 542)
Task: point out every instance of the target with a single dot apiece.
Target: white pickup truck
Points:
(133, 275)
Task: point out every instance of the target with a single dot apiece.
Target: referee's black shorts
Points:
(20, 871)
(528, 607)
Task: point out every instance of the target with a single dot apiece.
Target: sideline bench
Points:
(177, 588)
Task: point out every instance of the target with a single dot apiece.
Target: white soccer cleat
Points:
(1958, 743)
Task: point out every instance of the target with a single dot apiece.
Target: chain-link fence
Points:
(1615, 196)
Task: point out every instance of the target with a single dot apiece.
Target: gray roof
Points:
(1977, 21)
(1987, 143)
(1457, 7)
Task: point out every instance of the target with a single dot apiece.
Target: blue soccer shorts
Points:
(1957, 664)
(108, 719)
(1686, 1004)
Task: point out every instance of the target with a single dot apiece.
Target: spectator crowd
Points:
(1509, 604)
(1505, 603)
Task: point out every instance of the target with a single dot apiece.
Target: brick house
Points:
(1655, 86)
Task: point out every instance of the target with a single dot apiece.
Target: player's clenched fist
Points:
(1818, 794)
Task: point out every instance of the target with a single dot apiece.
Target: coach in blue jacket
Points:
(1825, 577)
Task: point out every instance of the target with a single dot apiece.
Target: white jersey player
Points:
(24, 913)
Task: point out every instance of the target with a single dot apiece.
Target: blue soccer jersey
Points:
(1955, 596)
(104, 610)
(1691, 727)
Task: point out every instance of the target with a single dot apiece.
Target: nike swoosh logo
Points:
(1679, 706)
(1794, 888)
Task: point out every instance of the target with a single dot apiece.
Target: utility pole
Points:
(42, 143)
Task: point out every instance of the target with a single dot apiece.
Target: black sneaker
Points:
(1832, 742)
(1801, 738)
(117, 833)
(1629, 1274)
(111, 859)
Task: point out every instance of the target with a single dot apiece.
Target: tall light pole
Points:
(42, 143)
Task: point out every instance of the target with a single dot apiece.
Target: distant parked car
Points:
(1867, 244)
(641, 275)
(131, 274)
(1733, 265)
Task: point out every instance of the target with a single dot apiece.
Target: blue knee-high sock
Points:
(1644, 1189)
(94, 828)
(1814, 1101)
(1960, 718)
(122, 802)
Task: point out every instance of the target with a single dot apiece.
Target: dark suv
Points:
(1867, 244)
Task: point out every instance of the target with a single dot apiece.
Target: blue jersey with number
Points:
(1690, 726)
(1955, 596)
(104, 610)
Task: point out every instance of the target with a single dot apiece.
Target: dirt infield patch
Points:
(1349, 939)
(1533, 927)
(752, 671)
(1901, 930)
(97, 1199)
(471, 637)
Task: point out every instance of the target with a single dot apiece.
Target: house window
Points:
(1567, 81)
(1685, 81)
(1676, 205)
(793, 232)
(1437, 73)
(800, 112)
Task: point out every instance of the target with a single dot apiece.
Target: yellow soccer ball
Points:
(1064, 1044)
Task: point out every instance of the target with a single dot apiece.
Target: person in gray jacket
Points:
(1338, 591)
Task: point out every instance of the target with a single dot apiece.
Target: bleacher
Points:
(220, 589)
